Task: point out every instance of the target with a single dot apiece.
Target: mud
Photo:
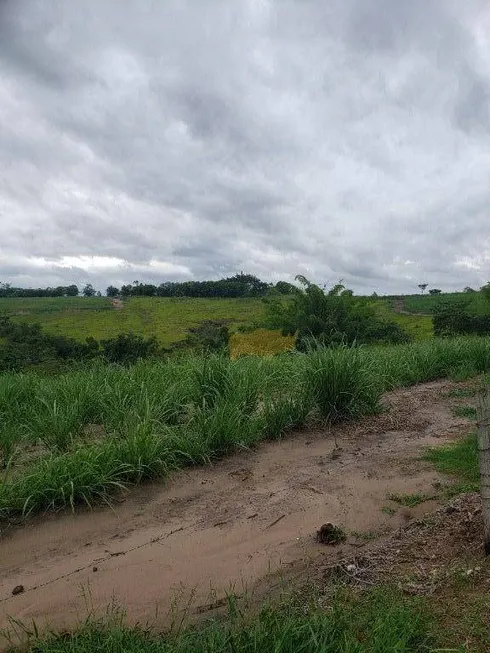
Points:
(184, 544)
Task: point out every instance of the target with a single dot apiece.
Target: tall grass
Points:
(79, 437)
(342, 383)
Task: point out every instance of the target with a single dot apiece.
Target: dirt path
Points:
(225, 527)
(398, 306)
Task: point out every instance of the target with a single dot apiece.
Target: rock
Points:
(330, 534)
(18, 589)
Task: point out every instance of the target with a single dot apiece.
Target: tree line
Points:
(239, 285)
(7, 290)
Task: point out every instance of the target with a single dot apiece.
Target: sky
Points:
(194, 139)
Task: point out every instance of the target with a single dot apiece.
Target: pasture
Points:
(168, 319)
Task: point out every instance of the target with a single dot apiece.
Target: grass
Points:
(469, 412)
(411, 500)
(427, 303)
(82, 436)
(379, 621)
(166, 318)
(418, 327)
(459, 459)
(367, 536)
(461, 393)
(388, 510)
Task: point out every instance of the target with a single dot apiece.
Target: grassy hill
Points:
(425, 304)
(166, 318)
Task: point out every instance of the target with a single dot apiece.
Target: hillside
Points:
(166, 318)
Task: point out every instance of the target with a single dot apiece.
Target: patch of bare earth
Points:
(439, 556)
(187, 543)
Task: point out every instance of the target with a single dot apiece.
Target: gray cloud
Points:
(348, 139)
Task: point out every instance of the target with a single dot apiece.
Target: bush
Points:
(335, 317)
(25, 345)
(452, 319)
(210, 335)
(127, 348)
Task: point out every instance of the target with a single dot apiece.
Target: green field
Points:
(425, 304)
(166, 318)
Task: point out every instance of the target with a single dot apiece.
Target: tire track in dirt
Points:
(221, 528)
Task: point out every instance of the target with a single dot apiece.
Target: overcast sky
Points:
(161, 140)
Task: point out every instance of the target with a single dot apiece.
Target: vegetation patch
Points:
(411, 500)
(81, 436)
(465, 411)
(460, 460)
(260, 342)
(379, 620)
(168, 319)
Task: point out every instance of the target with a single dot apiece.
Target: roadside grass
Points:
(377, 621)
(461, 393)
(82, 436)
(460, 460)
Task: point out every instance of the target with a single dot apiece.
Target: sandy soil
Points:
(222, 528)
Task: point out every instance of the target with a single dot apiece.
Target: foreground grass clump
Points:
(80, 437)
(378, 622)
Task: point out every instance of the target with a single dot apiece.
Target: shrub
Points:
(128, 348)
(335, 317)
(210, 335)
(452, 319)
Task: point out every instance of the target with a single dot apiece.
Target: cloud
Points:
(175, 140)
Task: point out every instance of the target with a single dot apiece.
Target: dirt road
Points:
(210, 530)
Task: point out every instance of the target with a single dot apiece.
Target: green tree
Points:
(112, 291)
(435, 291)
(72, 291)
(285, 288)
(89, 290)
(332, 317)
